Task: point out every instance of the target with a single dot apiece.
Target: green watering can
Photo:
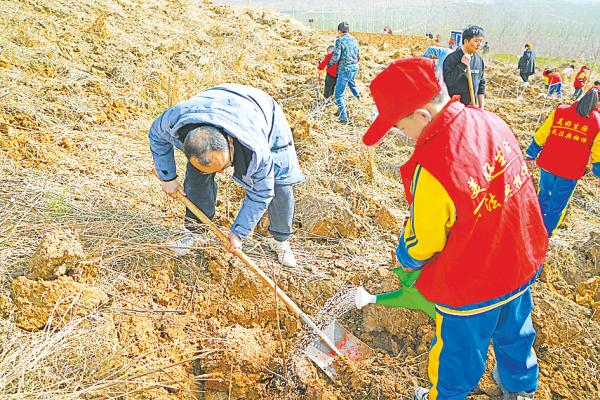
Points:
(406, 297)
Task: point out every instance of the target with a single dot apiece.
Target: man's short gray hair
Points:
(201, 141)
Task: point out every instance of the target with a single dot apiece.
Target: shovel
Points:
(348, 344)
(334, 341)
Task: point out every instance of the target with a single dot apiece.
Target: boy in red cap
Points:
(580, 81)
(475, 231)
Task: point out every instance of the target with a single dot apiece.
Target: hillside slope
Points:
(94, 306)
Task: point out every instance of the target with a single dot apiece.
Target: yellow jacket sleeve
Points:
(432, 214)
(540, 137)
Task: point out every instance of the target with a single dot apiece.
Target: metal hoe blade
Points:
(344, 341)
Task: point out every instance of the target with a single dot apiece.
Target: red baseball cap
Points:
(404, 86)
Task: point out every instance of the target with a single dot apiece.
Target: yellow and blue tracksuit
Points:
(555, 192)
(457, 358)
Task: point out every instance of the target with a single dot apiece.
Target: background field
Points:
(560, 29)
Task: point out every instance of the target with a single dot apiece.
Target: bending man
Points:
(232, 126)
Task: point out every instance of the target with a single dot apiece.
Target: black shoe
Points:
(344, 121)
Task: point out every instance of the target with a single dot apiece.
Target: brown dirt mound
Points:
(60, 253)
(244, 359)
(327, 217)
(57, 302)
(85, 81)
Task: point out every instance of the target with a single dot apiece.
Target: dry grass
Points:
(77, 96)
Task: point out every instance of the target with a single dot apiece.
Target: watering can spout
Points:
(363, 298)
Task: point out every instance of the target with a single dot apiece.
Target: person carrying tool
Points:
(330, 76)
(475, 231)
(235, 126)
(526, 64)
(561, 147)
(347, 54)
(579, 83)
(457, 64)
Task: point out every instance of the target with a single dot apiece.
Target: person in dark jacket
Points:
(455, 68)
(527, 64)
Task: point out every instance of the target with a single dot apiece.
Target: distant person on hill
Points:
(527, 64)
(387, 30)
(234, 126)
(554, 84)
(568, 72)
(475, 232)
(455, 68)
(439, 54)
(561, 148)
(330, 75)
(347, 54)
(485, 49)
(437, 38)
(580, 81)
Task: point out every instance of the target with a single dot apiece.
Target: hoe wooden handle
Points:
(257, 270)
(471, 91)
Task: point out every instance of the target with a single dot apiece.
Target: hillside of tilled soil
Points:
(92, 303)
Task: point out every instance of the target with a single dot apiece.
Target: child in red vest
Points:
(475, 231)
(330, 76)
(555, 84)
(562, 148)
(580, 81)
(545, 74)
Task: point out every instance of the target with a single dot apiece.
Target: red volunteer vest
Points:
(568, 147)
(580, 75)
(498, 241)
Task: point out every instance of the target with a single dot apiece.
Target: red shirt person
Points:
(555, 84)
(489, 238)
(580, 81)
(330, 76)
